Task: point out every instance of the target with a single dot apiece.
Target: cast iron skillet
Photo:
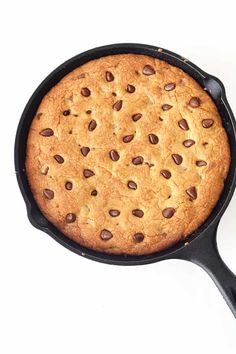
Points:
(201, 247)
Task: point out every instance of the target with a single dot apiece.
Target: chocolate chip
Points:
(66, 113)
(85, 92)
(45, 170)
(183, 124)
(188, 143)
(92, 125)
(138, 212)
(138, 237)
(39, 115)
(109, 76)
(128, 138)
(46, 132)
(153, 138)
(192, 192)
(177, 159)
(166, 174)
(58, 158)
(168, 212)
(68, 185)
(114, 155)
(85, 150)
(114, 94)
(94, 193)
(48, 193)
(106, 235)
(161, 119)
(137, 160)
(117, 105)
(132, 185)
(148, 70)
(195, 102)
(207, 123)
(70, 218)
(89, 111)
(114, 212)
(149, 164)
(136, 116)
(88, 173)
(170, 86)
(166, 107)
(130, 88)
(201, 163)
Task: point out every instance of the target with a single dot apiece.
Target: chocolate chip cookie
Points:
(127, 155)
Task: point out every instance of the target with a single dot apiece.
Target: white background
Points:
(53, 301)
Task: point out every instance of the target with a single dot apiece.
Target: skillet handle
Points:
(203, 251)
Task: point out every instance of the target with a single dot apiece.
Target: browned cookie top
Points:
(127, 154)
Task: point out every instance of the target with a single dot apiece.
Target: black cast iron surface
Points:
(201, 247)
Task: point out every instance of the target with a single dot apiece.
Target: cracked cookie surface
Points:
(127, 154)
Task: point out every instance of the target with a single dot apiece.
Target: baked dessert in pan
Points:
(127, 155)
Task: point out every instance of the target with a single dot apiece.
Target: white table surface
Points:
(51, 300)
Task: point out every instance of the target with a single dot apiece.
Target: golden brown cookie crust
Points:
(85, 193)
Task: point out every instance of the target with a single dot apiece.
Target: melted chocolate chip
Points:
(132, 185)
(66, 113)
(148, 70)
(138, 212)
(177, 159)
(94, 193)
(106, 235)
(183, 124)
(68, 185)
(128, 138)
(168, 212)
(166, 174)
(166, 107)
(48, 193)
(109, 76)
(85, 92)
(59, 158)
(85, 150)
(88, 173)
(117, 105)
(114, 212)
(130, 88)
(207, 123)
(194, 102)
(153, 138)
(89, 111)
(192, 192)
(114, 155)
(92, 125)
(70, 218)
(170, 86)
(137, 160)
(201, 163)
(114, 94)
(188, 143)
(136, 116)
(47, 132)
(138, 237)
